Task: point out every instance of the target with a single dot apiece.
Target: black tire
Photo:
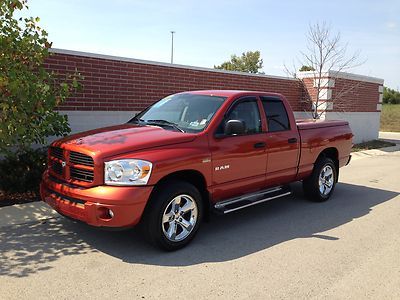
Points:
(153, 228)
(311, 185)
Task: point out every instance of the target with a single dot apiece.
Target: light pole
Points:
(172, 47)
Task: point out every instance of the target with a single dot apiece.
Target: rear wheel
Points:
(320, 185)
(173, 216)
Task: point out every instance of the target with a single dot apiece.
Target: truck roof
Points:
(228, 93)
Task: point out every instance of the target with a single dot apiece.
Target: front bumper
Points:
(93, 205)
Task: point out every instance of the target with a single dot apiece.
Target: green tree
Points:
(305, 68)
(249, 62)
(28, 92)
(391, 96)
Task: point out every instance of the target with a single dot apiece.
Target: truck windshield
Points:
(184, 112)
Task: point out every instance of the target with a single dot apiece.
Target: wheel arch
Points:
(193, 177)
(333, 154)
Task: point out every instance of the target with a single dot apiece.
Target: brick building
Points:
(115, 88)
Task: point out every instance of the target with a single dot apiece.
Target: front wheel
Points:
(320, 185)
(173, 216)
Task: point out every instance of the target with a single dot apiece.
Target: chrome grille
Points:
(81, 174)
(71, 165)
(80, 159)
(57, 152)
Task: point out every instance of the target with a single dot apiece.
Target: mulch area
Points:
(375, 144)
(18, 198)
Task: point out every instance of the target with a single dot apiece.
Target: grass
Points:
(374, 144)
(390, 117)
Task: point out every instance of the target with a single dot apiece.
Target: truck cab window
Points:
(276, 114)
(246, 110)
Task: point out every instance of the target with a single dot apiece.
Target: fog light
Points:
(105, 213)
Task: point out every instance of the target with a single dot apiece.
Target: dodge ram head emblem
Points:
(63, 164)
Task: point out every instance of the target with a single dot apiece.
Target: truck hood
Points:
(116, 140)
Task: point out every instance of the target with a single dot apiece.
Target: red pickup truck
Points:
(190, 154)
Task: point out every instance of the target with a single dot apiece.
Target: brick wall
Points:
(119, 84)
(115, 87)
(344, 92)
(355, 96)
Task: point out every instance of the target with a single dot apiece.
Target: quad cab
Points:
(189, 154)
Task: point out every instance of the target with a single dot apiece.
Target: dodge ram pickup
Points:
(191, 154)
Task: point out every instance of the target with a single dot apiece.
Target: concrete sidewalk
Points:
(375, 152)
(25, 213)
(393, 137)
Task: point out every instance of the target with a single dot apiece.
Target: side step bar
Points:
(237, 203)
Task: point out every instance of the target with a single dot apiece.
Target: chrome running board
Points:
(237, 203)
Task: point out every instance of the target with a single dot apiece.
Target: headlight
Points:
(127, 172)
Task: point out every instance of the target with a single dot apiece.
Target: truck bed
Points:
(319, 135)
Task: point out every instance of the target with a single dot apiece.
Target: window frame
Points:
(274, 99)
(237, 101)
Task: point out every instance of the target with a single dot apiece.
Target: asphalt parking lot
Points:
(348, 247)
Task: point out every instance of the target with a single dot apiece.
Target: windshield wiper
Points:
(164, 122)
(135, 120)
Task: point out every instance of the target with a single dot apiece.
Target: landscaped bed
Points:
(20, 176)
(17, 198)
(374, 144)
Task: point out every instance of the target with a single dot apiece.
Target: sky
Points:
(209, 31)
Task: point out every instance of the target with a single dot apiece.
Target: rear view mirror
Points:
(234, 127)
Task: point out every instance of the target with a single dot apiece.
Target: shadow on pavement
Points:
(28, 249)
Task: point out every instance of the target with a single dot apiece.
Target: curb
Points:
(393, 137)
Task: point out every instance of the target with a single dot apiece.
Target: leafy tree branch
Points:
(28, 92)
(249, 62)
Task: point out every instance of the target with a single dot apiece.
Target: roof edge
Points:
(337, 74)
(163, 64)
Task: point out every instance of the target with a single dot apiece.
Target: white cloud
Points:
(391, 25)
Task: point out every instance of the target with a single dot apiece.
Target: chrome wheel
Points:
(326, 180)
(179, 218)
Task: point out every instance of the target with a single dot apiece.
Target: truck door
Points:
(238, 161)
(282, 141)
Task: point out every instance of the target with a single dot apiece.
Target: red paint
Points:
(250, 169)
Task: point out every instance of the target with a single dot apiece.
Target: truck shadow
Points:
(28, 249)
(257, 228)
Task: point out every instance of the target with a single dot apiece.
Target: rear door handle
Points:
(260, 145)
(292, 140)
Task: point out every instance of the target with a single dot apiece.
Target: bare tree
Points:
(326, 55)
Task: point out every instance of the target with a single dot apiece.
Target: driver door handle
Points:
(260, 145)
